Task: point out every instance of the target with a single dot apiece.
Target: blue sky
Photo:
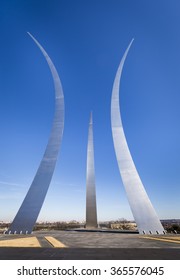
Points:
(86, 40)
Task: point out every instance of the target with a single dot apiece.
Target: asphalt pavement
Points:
(77, 245)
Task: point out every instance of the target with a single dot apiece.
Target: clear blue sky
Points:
(86, 40)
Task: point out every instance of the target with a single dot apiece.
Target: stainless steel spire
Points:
(27, 215)
(144, 214)
(91, 212)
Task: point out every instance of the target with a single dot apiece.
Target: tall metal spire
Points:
(28, 213)
(91, 211)
(144, 214)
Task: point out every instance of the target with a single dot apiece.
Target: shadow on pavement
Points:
(88, 254)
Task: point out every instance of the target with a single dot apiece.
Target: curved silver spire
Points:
(144, 214)
(27, 215)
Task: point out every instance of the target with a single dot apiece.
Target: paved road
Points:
(93, 245)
